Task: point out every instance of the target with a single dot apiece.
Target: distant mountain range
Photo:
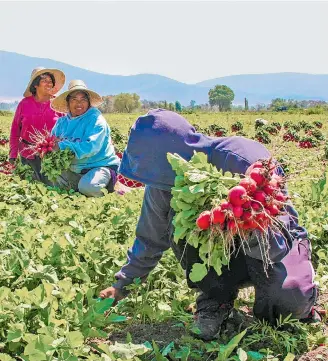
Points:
(15, 70)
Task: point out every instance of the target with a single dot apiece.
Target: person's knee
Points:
(92, 183)
(285, 302)
(90, 189)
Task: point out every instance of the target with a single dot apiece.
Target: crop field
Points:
(58, 249)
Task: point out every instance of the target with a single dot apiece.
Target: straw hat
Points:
(60, 105)
(59, 79)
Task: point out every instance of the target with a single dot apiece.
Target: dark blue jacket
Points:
(145, 160)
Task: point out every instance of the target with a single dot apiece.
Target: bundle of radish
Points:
(53, 162)
(219, 213)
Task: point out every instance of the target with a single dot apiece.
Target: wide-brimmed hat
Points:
(60, 104)
(58, 75)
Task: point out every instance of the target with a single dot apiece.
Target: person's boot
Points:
(208, 320)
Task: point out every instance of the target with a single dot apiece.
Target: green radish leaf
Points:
(114, 318)
(198, 272)
(75, 339)
(103, 305)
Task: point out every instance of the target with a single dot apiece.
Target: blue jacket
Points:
(145, 160)
(88, 136)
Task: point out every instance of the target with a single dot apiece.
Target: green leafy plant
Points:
(237, 126)
(262, 136)
(55, 162)
(287, 336)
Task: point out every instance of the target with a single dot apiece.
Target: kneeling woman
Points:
(86, 133)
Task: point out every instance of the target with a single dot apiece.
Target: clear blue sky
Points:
(187, 41)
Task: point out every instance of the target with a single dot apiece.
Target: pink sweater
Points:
(30, 116)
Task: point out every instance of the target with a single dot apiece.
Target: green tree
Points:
(126, 102)
(192, 104)
(279, 104)
(221, 96)
(171, 107)
(178, 106)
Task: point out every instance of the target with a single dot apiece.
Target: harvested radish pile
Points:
(218, 213)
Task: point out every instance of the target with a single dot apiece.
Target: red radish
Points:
(232, 226)
(49, 149)
(226, 206)
(280, 197)
(237, 195)
(273, 210)
(237, 211)
(249, 224)
(257, 164)
(262, 217)
(260, 196)
(51, 144)
(256, 206)
(269, 189)
(247, 215)
(257, 175)
(218, 216)
(204, 220)
(249, 184)
(247, 205)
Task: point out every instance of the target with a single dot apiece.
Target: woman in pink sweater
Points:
(34, 114)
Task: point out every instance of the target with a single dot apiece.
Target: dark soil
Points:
(161, 333)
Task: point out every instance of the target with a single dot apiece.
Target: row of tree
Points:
(127, 103)
(220, 96)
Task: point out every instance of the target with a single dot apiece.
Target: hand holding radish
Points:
(55, 147)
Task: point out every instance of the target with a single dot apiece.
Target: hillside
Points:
(15, 70)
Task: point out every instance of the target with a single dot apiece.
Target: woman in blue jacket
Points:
(86, 133)
(287, 289)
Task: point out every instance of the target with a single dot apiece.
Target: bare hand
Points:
(112, 292)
